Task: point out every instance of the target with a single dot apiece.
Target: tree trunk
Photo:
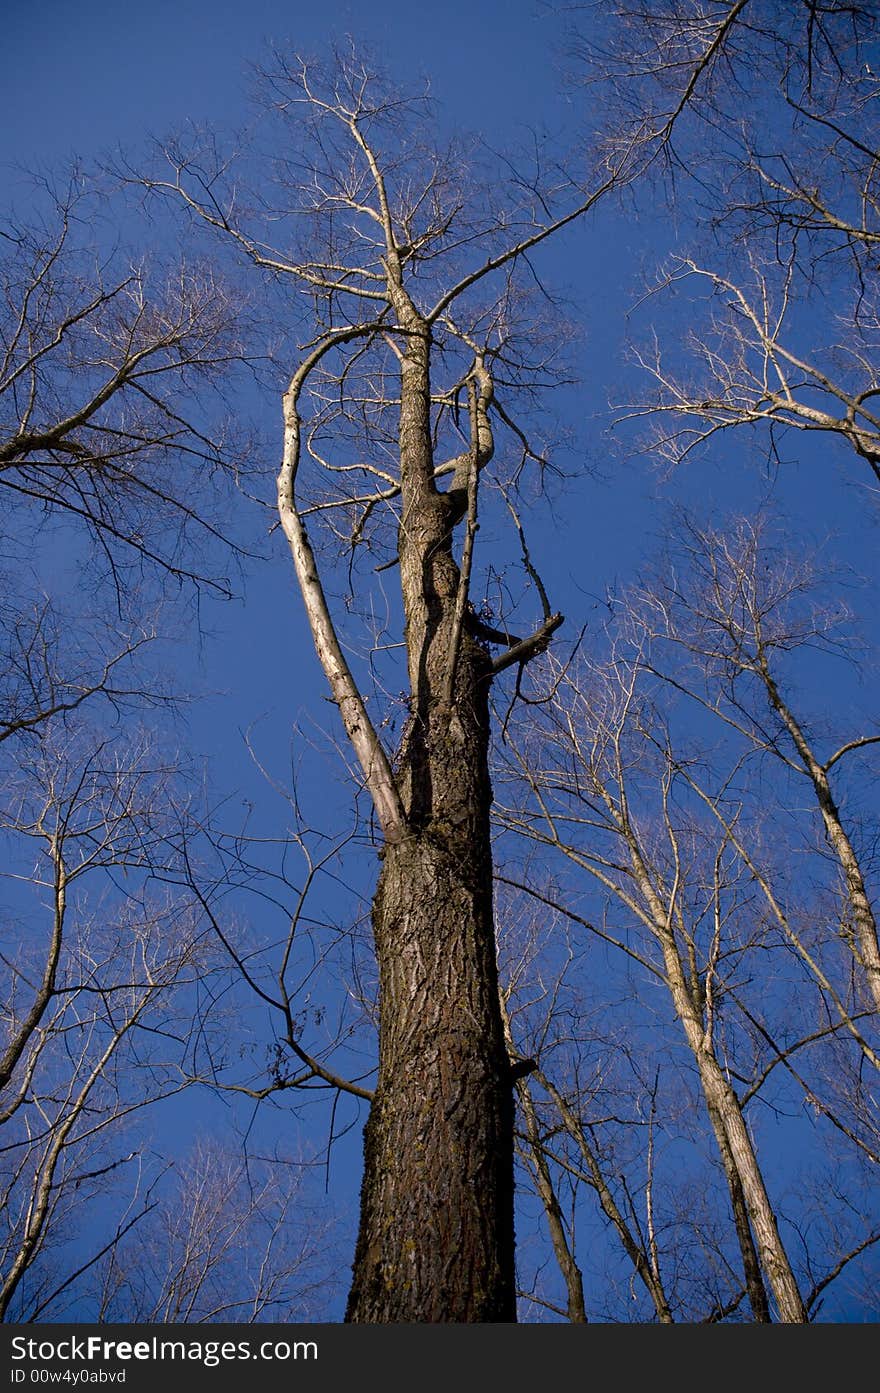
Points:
(862, 934)
(755, 1289)
(436, 1240)
(726, 1116)
(436, 1232)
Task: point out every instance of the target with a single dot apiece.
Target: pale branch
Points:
(57, 436)
(43, 1187)
(360, 468)
(539, 1166)
(755, 381)
(481, 446)
(850, 745)
(266, 261)
(23, 1036)
(865, 944)
(391, 248)
(344, 690)
(825, 216)
(23, 1082)
(371, 500)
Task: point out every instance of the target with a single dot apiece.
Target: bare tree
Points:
(675, 840)
(105, 365)
(682, 72)
(94, 1027)
(541, 1148)
(750, 367)
(116, 453)
(404, 281)
(743, 606)
(658, 895)
(766, 117)
(233, 1239)
(407, 268)
(605, 1107)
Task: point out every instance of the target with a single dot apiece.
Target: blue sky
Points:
(83, 78)
(107, 72)
(110, 76)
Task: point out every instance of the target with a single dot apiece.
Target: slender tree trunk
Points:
(537, 1161)
(571, 1274)
(738, 1152)
(726, 1114)
(755, 1289)
(631, 1246)
(862, 935)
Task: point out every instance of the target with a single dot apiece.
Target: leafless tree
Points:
(115, 452)
(657, 895)
(675, 840)
(234, 1239)
(743, 607)
(766, 116)
(605, 1106)
(545, 1132)
(407, 267)
(681, 72)
(405, 283)
(750, 366)
(105, 366)
(97, 957)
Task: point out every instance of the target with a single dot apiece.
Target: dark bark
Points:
(436, 1239)
(436, 1233)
